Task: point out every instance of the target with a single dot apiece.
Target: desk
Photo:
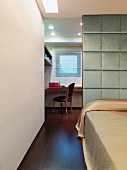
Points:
(51, 92)
(61, 89)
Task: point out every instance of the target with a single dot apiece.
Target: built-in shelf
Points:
(48, 58)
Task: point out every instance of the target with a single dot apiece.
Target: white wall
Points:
(21, 79)
(48, 71)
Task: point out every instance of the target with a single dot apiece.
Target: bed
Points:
(102, 126)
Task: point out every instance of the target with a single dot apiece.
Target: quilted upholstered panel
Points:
(104, 56)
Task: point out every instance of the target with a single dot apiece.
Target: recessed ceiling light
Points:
(53, 33)
(51, 27)
(81, 23)
(50, 6)
(79, 33)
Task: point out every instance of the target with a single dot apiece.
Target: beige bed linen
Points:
(98, 105)
(105, 143)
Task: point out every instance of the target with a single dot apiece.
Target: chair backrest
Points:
(70, 90)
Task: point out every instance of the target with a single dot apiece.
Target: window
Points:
(68, 64)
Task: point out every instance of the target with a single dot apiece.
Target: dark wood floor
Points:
(56, 146)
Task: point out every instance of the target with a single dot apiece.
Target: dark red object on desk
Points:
(54, 84)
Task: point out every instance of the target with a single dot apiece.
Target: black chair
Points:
(66, 99)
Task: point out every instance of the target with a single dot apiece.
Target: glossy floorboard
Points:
(56, 146)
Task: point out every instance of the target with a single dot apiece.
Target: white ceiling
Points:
(66, 30)
(67, 21)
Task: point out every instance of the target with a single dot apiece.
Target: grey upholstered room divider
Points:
(104, 57)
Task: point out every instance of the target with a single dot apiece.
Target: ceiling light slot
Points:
(50, 6)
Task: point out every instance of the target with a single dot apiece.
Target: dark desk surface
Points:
(61, 89)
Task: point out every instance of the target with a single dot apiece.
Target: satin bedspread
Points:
(105, 142)
(99, 105)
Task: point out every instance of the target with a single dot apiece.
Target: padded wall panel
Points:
(123, 42)
(110, 61)
(92, 79)
(110, 79)
(123, 79)
(110, 23)
(91, 94)
(123, 93)
(90, 21)
(124, 23)
(110, 93)
(92, 42)
(123, 61)
(104, 56)
(92, 61)
(110, 42)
